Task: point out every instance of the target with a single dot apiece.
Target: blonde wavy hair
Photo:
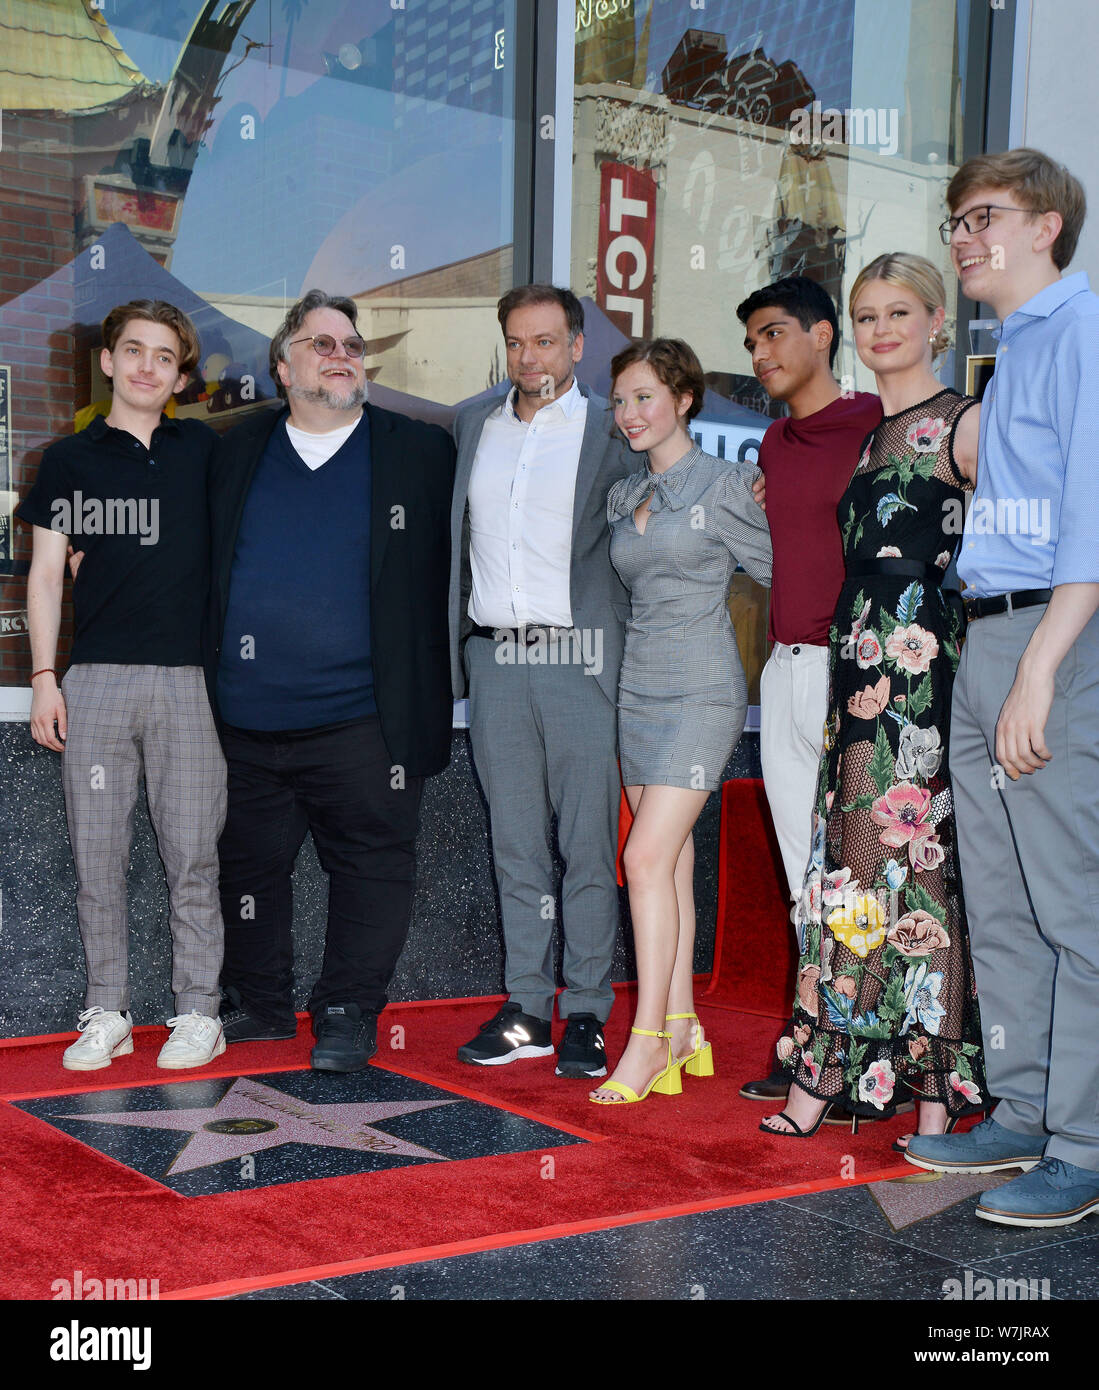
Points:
(914, 273)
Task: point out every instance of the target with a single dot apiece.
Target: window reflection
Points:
(227, 155)
(718, 149)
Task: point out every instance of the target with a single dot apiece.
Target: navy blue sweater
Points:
(296, 647)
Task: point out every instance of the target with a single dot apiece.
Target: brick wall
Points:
(36, 331)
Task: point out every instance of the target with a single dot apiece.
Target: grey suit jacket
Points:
(597, 596)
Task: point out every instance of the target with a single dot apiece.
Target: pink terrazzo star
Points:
(277, 1119)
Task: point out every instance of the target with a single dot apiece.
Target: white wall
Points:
(1053, 99)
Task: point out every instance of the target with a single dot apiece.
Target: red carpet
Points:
(69, 1207)
(754, 956)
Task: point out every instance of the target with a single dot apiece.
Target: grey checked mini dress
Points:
(682, 696)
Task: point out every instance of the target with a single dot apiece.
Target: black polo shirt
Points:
(140, 517)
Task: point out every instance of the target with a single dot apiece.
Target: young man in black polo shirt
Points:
(130, 493)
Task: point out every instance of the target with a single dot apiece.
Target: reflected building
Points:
(695, 190)
(89, 142)
(758, 141)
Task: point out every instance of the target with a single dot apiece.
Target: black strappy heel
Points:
(795, 1131)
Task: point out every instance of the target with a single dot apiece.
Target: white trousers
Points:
(793, 704)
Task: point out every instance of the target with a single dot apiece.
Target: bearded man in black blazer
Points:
(328, 668)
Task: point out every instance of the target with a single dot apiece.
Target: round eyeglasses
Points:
(324, 345)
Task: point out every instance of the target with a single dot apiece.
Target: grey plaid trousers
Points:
(121, 719)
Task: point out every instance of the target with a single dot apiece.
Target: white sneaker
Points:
(195, 1041)
(104, 1034)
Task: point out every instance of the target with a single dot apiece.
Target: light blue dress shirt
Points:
(1034, 519)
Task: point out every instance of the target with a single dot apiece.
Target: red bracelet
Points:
(43, 671)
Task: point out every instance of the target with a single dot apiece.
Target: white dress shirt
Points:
(521, 494)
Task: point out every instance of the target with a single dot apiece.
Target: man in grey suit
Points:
(537, 617)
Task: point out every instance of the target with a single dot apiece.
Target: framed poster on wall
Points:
(978, 373)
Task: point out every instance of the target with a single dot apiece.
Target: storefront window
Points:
(718, 147)
(227, 157)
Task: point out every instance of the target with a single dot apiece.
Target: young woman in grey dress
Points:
(679, 527)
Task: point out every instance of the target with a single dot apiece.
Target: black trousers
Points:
(338, 783)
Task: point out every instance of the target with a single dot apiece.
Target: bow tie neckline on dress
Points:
(664, 488)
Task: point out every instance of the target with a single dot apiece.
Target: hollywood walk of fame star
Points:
(251, 1116)
(918, 1196)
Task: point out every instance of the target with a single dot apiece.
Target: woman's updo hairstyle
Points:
(914, 273)
(674, 364)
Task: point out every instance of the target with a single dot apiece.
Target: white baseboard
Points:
(15, 704)
(15, 707)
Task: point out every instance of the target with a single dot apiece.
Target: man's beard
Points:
(540, 392)
(323, 395)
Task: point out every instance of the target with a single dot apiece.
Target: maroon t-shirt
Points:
(808, 464)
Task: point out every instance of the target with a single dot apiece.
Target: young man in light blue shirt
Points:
(1024, 740)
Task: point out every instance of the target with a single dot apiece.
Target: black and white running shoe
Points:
(583, 1051)
(508, 1037)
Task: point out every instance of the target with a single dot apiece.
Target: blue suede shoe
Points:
(1054, 1194)
(986, 1148)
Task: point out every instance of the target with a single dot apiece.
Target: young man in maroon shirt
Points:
(807, 460)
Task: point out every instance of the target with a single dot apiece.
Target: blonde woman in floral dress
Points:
(885, 991)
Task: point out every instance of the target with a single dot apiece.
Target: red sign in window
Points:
(627, 235)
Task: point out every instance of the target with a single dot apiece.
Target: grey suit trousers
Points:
(543, 739)
(1029, 854)
(121, 719)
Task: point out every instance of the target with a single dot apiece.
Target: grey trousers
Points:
(1029, 853)
(543, 740)
(123, 718)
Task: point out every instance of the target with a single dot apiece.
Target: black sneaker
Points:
(508, 1037)
(346, 1037)
(583, 1051)
(239, 1024)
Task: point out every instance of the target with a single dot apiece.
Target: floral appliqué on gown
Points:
(885, 981)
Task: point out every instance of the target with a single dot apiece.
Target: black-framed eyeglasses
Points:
(975, 220)
(324, 345)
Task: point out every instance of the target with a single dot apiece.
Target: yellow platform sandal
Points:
(667, 1082)
(700, 1062)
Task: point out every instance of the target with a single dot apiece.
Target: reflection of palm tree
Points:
(292, 9)
(249, 46)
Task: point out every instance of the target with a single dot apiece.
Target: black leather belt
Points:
(536, 632)
(1005, 603)
(901, 569)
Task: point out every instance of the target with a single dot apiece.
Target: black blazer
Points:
(412, 464)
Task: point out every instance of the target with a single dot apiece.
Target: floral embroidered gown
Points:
(885, 982)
